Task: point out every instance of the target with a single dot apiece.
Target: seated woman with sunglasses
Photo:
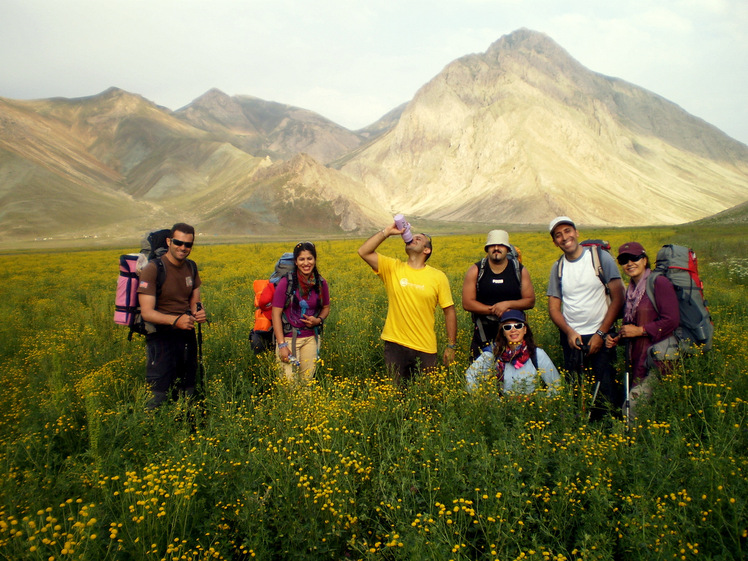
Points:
(297, 321)
(514, 361)
(643, 325)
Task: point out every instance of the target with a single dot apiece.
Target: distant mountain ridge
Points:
(517, 134)
(266, 128)
(523, 132)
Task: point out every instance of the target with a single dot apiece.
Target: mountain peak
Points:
(213, 95)
(528, 47)
(117, 94)
(517, 134)
(524, 38)
(525, 123)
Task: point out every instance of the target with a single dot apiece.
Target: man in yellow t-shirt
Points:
(413, 291)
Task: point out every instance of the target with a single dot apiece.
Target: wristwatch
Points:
(601, 334)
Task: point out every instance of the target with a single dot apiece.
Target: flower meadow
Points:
(352, 467)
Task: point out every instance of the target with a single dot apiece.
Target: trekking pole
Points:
(201, 368)
(627, 403)
(579, 390)
(594, 397)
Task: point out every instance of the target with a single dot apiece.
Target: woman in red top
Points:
(643, 325)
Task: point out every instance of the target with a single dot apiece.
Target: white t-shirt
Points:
(582, 294)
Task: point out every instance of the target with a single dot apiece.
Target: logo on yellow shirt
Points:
(405, 283)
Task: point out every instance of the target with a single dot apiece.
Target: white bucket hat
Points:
(497, 237)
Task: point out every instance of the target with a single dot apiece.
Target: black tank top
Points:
(494, 288)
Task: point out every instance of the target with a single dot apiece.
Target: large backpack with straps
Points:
(291, 285)
(126, 304)
(680, 266)
(515, 256)
(261, 337)
(596, 248)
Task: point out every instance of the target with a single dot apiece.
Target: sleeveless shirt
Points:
(494, 288)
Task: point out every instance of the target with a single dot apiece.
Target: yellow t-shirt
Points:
(412, 296)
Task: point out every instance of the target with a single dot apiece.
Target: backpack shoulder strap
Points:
(290, 293)
(651, 288)
(160, 275)
(290, 288)
(560, 270)
(481, 269)
(193, 267)
(319, 306)
(534, 358)
(597, 264)
(517, 269)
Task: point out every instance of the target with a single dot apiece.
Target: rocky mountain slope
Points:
(517, 134)
(523, 132)
(266, 128)
(116, 164)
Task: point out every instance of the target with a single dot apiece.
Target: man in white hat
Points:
(493, 285)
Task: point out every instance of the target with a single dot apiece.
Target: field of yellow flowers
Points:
(352, 467)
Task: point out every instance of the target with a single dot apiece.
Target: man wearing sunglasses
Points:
(414, 289)
(169, 296)
(583, 311)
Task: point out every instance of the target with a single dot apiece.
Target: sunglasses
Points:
(510, 326)
(626, 257)
(180, 243)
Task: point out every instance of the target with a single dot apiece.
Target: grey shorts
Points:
(405, 362)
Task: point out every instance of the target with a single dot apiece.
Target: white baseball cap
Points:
(561, 220)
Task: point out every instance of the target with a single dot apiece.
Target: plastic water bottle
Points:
(402, 224)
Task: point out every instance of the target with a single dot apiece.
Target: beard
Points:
(496, 257)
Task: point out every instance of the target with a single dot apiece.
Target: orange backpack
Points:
(264, 291)
(261, 338)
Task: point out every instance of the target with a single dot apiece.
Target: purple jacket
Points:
(311, 305)
(658, 326)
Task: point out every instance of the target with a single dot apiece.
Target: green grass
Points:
(353, 468)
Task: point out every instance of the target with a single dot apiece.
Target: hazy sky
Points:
(353, 61)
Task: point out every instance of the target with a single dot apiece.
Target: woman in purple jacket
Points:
(643, 325)
(298, 318)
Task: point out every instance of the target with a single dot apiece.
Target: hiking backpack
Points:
(261, 337)
(596, 249)
(680, 266)
(515, 256)
(126, 305)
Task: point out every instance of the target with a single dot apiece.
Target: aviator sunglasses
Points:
(180, 243)
(626, 257)
(510, 326)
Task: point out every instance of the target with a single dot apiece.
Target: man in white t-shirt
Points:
(584, 307)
